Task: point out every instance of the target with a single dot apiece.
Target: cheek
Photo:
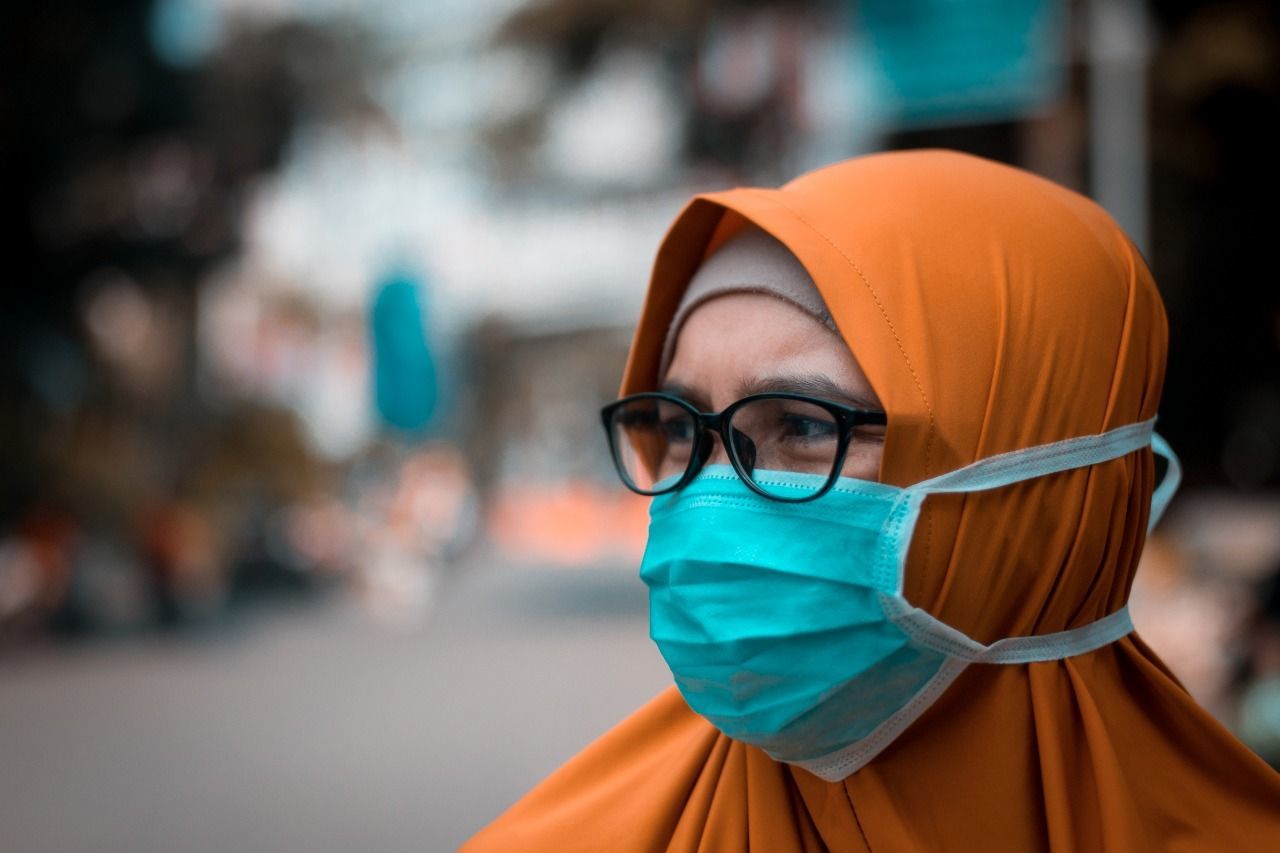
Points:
(862, 462)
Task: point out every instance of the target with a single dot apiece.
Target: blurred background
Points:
(308, 536)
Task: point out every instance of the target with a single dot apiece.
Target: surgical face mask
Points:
(785, 626)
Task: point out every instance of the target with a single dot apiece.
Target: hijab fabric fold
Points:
(991, 310)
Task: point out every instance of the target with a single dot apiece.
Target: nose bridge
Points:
(717, 454)
(715, 451)
(712, 423)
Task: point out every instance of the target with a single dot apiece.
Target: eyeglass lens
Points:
(654, 441)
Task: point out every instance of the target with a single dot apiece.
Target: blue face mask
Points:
(785, 626)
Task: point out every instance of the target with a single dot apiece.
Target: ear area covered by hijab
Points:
(991, 310)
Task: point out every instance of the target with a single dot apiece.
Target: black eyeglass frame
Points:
(847, 419)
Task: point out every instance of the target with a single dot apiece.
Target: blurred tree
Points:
(119, 166)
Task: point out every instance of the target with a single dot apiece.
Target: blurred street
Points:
(314, 728)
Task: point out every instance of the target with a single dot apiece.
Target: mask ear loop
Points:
(1168, 484)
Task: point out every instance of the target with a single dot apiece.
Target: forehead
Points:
(736, 340)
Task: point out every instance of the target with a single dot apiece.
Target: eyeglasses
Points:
(660, 442)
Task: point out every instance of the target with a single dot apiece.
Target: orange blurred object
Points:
(576, 523)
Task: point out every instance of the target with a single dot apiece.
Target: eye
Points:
(799, 425)
(678, 429)
(637, 419)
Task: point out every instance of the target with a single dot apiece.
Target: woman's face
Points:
(750, 343)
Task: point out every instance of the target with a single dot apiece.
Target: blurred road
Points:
(313, 729)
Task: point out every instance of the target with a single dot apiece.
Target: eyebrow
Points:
(814, 385)
(684, 392)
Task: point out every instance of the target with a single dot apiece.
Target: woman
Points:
(865, 666)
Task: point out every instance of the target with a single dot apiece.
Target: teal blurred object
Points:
(946, 62)
(1259, 725)
(404, 372)
(185, 32)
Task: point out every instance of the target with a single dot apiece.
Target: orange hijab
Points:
(991, 310)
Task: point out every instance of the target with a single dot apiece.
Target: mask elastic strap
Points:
(939, 636)
(1168, 485)
(961, 651)
(1015, 466)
